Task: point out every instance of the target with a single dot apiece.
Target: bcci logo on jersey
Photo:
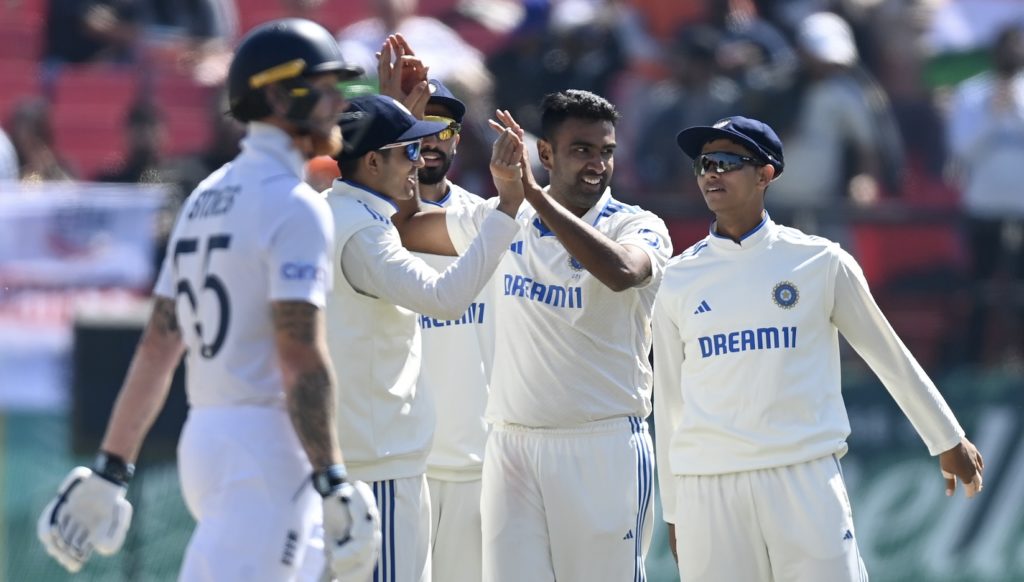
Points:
(785, 295)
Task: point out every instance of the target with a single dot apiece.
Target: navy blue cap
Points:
(756, 135)
(442, 96)
(374, 121)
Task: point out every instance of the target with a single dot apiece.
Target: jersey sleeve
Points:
(299, 252)
(668, 399)
(647, 232)
(464, 222)
(857, 316)
(376, 264)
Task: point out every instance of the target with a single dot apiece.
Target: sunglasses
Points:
(722, 162)
(411, 148)
(449, 132)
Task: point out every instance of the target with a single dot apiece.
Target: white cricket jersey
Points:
(251, 233)
(746, 355)
(385, 419)
(456, 370)
(569, 350)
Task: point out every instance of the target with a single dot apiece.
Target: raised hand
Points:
(964, 462)
(505, 117)
(402, 75)
(507, 167)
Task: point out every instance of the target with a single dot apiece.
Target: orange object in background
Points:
(321, 172)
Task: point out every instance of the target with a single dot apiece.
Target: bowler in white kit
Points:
(568, 468)
(749, 415)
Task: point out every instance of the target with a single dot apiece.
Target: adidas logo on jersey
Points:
(702, 308)
(848, 535)
(628, 536)
(517, 247)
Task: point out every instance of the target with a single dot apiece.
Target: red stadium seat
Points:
(20, 81)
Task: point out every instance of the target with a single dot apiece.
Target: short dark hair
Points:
(573, 103)
(348, 167)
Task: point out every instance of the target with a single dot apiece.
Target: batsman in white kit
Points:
(242, 293)
(386, 418)
(568, 467)
(749, 414)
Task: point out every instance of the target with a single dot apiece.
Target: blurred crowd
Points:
(906, 109)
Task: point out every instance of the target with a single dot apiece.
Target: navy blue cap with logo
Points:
(755, 135)
(372, 122)
(440, 95)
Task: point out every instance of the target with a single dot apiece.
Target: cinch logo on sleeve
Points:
(475, 314)
(302, 272)
(553, 295)
(744, 340)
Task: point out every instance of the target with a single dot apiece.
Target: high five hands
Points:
(507, 164)
(506, 123)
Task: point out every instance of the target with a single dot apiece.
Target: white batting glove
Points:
(89, 512)
(351, 528)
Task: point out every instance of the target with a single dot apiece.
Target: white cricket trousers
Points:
(246, 480)
(455, 516)
(785, 524)
(571, 505)
(404, 506)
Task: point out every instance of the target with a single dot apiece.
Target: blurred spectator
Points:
(696, 93)
(449, 57)
(834, 145)
(755, 54)
(84, 31)
(32, 138)
(197, 34)
(146, 136)
(575, 45)
(896, 35)
(986, 136)
(8, 158)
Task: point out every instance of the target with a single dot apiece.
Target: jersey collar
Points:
(274, 142)
(751, 239)
(591, 217)
(372, 198)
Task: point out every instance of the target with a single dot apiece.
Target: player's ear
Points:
(544, 152)
(765, 175)
(278, 99)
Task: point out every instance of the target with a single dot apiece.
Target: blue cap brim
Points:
(692, 139)
(458, 108)
(421, 129)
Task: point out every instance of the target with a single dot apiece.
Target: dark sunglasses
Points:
(449, 132)
(412, 149)
(722, 162)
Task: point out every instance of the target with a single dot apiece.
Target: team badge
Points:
(650, 237)
(785, 295)
(574, 264)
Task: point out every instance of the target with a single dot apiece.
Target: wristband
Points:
(326, 480)
(113, 468)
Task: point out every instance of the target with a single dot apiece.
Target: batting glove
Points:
(89, 512)
(351, 525)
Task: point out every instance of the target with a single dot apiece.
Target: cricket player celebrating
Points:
(242, 293)
(568, 468)
(455, 370)
(386, 419)
(749, 414)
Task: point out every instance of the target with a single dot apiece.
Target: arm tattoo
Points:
(310, 398)
(297, 319)
(311, 408)
(164, 320)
